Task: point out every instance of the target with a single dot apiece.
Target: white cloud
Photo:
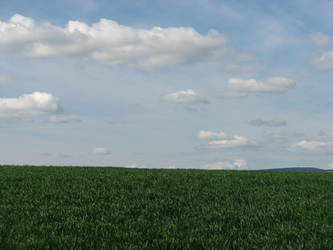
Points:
(239, 68)
(100, 151)
(325, 61)
(313, 146)
(234, 141)
(205, 134)
(321, 39)
(271, 85)
(134, 166)
(268, 123)
(111, 43)
(221, 140)
(240, 164)
(63, 118)
(236, 165)
(36, 103)
(185, 96)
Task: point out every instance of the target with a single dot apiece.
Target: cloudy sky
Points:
(167, 84)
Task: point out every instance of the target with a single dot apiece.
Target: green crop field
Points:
(114, 208)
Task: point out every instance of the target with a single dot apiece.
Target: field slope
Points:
(103, 208)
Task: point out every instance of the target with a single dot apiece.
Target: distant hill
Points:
(318, 170)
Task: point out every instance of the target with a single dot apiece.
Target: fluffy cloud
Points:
(111, 43)
(36, 103)
(313, 146)
(268, 123)
(100, 151)
(270, 85)
(185, 96)
(239, 68)
(236, 165)
(221, 140)
(205, 134)
(28, 106)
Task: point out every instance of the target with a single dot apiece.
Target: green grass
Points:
(103, 208)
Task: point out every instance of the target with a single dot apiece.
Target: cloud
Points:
(234, 141)
(37, 103)
(313, 146)
(185, 96)
(111, 43)
(325, 61)
(239, 68)
(100, 151)
(321, 39)
(205, 134)
(269, 85)
(240, 164)
(134, 166)
(221, 140)
(227, 165)
(268, 123)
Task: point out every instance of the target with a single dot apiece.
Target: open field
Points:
(72, 207)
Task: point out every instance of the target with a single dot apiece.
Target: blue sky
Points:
(167, 84)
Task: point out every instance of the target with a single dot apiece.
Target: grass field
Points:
(103, 208)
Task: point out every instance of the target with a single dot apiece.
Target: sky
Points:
(167, 84)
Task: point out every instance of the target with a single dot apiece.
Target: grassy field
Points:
(103, 208)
